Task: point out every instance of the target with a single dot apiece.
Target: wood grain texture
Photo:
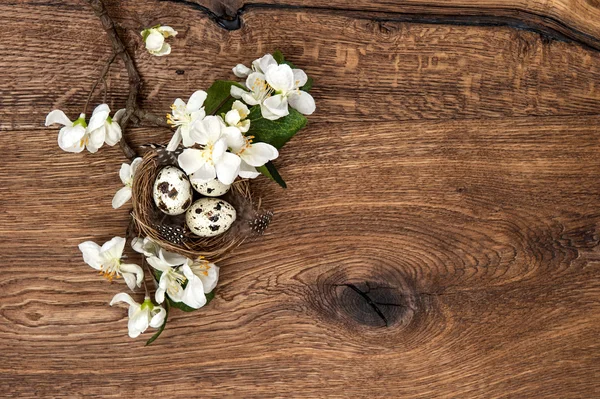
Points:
(449, 179)
(577, 20)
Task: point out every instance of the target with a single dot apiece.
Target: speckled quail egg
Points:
(210, 188)
(172, 191)
(209, 217)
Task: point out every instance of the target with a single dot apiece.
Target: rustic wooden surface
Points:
(450, 176)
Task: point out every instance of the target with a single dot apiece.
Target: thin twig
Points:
(134, 76)
(100, 78)
(105, 91)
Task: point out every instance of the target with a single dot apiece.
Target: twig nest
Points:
(172, 191)
(209, 217)
(211, 188)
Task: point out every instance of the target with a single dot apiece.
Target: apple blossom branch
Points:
(134, 77)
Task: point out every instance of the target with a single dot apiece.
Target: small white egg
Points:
(172, 191)
(211, 188)
(209, 217)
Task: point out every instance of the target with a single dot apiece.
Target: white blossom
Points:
(141, 315)
(212, 160)
(107, 260)
(126, 173)
(273, 86)
(252, 154)
(199, 278)
(154, 39)
(184, 116)
(236, 117)
(77, 135)
(73, 136)
(104, 128)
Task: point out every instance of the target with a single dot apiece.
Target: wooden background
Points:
(450, 178)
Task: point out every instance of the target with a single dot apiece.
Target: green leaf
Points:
(271, 172)
(278, 55)
(162, 326)
(276, 132)
(186, 308)
(218, 99)
(308, 85)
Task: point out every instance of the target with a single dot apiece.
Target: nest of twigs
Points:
(171, 232)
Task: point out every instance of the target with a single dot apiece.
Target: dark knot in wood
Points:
(376, 298)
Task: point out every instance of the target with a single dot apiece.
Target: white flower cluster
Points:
(273, 86)
(77, 135)
(182, 280)
(220, 146)
(221, 149)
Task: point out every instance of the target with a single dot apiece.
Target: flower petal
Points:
(57, 116)
(124, 297)
(193, 294)
(113, 133)
(190, 160)
(175, 140)
(98, 118)
(209, 130)
(118, 115)
(280, 77)
(91, 254)
(234, 138)
(129, 279)
(210, 279)
(134, 269)
(274, 107)
(256, 82)
(101, 108)
(196, 101)
(125, 173)
(164, 50)
(158, 318)
(96, 139)
(171, 258)
(158, 264)
(70, 136)
(241, 71)
(121, 197)
(232, 117)
(265, 62)
(236, 92)
(300, 78)
(135, 165)
(259, 154)
(138, 323)
(303, 102)
(247, 171)
(114, 248)
(155, 40)
(228, 168)
(167, 31)
(241, 108)
(205, 173)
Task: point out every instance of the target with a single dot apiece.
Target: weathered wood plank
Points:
(577, 20)
(484, 239)
(364, 70)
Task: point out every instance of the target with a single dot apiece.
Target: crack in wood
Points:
(547, 26)
(369, 301)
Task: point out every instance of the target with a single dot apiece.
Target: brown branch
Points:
(134, 76)
(151, 118)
